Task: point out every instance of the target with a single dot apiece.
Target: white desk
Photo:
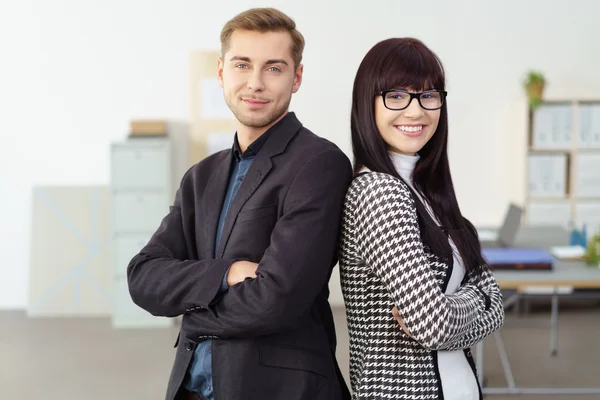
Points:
(562, 280)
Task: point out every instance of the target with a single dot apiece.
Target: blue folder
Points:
(518, 257)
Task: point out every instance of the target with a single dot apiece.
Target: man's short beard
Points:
(267, 120)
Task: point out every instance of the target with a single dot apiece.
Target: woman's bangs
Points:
(410, 69)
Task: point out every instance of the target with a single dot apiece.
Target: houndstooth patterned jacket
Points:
(384, 263)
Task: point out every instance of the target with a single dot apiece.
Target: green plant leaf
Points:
(534, 76)
(534, 103)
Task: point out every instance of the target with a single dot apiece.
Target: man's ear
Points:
(220, 71)
(298, 78)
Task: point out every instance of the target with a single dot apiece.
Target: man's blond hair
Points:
(264, 20)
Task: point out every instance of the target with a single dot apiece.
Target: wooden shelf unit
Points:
(569, 128)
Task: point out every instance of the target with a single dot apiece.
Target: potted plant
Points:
(592, 254)
(534, 87)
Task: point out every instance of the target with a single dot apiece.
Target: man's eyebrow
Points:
(277, 61)
(240, 58)
(269, 62)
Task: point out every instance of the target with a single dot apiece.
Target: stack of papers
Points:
(568, 252)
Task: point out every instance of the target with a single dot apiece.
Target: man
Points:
(247, 249)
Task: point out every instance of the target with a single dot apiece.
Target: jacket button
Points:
(188, 346)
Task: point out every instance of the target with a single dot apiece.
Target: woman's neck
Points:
(404, 165)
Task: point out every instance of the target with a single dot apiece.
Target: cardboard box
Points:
(148, 128)
(208, 116)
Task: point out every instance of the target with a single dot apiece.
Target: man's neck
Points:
(246, 135)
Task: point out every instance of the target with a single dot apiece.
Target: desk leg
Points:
(510, 380)
(479, 362)
(511, 388)
(554, 326)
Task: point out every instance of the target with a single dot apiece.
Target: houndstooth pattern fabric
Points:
(383, 263)
(491, 320)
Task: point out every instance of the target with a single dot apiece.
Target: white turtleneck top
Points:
(458, 380)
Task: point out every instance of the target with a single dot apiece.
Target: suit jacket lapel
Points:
(256, 173)
(213, 200)
(275, 145)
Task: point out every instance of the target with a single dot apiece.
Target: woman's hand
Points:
(398, 318)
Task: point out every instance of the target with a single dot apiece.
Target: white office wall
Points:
(74, 72)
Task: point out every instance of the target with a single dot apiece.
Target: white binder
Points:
(552, 127)
(547, 175)
(587, 183)
(594, 126)
(585, 122)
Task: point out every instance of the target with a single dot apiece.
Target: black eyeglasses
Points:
(397, 99)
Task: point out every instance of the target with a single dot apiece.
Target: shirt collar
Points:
(255, 146)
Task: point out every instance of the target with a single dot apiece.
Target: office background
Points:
(75, 73)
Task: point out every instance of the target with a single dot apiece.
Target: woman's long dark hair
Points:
(402, 63)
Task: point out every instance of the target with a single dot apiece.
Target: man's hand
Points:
(398, 318)
(241, 270)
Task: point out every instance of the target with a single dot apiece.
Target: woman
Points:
(417, 291)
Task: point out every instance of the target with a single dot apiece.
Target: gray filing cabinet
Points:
(141, 193)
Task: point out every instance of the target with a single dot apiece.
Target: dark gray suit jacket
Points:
(274, 336)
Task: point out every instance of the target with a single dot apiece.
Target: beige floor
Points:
(75, 359)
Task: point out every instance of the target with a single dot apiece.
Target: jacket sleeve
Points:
(295, 267)
(491, 320)
(164, 281)
(389, 242)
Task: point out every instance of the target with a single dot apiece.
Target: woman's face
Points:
(405, 131)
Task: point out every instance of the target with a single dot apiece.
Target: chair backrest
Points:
(509, 229)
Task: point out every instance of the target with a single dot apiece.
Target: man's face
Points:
(258, 76)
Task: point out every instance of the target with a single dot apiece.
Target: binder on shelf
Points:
(587, 182)
(594, 126)
(547, 175)
(585, 122)
(589, 126)
(552, 127)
